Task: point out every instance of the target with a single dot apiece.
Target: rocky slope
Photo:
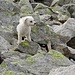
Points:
(52, 47)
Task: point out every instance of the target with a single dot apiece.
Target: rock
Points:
(71, 9)
(4, 44)
(39, 64)
(25, 8)
(71, 43)
(60, 13)
(65, 50)
(36, 17)
(67, 29)
(1, 59)
(43, 34)
(8, 15)
(40, 55)
(28, 47)
(71, 53)
(63, 2)
(16, 1)
(12, 53)
(70, 70)
(53, 22)
(12, 72)
(54, 2)
(42, 9)
(7, 42)
(31, 1)
(40, 33)
(44, 18)
(10, 38)
(46, 2)
(61, 17)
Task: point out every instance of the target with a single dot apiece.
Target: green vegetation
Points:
(30, 60)
(47, 29)
(22, 73)
(9, 73)
(25, 10)
(3, 65)
(25, 43)
(17, 62)
(56, 54)
(34, 31)
(48, 11)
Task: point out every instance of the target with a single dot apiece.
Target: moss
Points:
(47, 29)
(17, 62)
(54, 8)
(9, 12)
(3, 65)
(9, 73)
(21, 14)
(25, 10)
(48, 11)
(12, 13)
(38, 55)
(30, 60)
(34, 31)
(22, 73)
(57, 55)
(46, 41)
(25, 43)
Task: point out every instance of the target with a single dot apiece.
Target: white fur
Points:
(24, 28)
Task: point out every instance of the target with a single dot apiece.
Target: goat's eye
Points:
(30, 21)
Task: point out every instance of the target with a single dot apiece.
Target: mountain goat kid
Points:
(24, 28)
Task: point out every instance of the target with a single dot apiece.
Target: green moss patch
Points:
(3, 65)
(22, 73)
(30, 60)
(47, 29)
(17, 62)
(25, 43)
(48, 11)
(9, 73)
(34, 31)
(57, 55)
(25, 10)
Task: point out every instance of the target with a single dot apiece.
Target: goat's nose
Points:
(34, 23)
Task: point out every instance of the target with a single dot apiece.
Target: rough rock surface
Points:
(67, 29)
(63, 71)
(53, 37)
(39, 64)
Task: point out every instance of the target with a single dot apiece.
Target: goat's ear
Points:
(21, 21)
(25, 20)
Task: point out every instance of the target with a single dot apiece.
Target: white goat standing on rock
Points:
(24, 28)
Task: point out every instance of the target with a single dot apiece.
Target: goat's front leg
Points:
(19, 38)
(29, 37)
